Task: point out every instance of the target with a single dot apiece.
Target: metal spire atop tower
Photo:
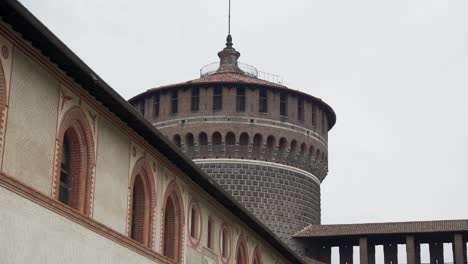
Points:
(229, 19)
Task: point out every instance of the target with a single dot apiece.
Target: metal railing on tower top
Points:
(247, 70)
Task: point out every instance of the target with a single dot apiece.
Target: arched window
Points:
(75, 162)
(293, 146)
(311, 152)
(244, 139)
(195, 224)
(140, 212)
(230, 139)
(142, 203)
(242, 254)
(202, 139)
(177, 141)
(172, 223)
(257, 141)
(283, 144)
(270, 142)
(189, 140)
(170, 230)
(317, 155)
(216, 138)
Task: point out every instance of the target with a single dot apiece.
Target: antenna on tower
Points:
(229, 19)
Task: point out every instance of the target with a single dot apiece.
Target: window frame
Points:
(300, 109)
(283, 104)
(263, 100)
(195, 99)
(156, 104)
(240, 99)
(195, 234)
(217, 99)
(174, 102)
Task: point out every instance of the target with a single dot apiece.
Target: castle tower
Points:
(264, 143)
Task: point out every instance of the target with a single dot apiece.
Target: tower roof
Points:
(229, 71)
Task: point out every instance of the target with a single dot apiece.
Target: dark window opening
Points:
(193, 223)
(283, 104)
(156, 105)
(209, 242)
(300, 109)
(170, 230)
(217, 99)
(314, 116)
(65, 184)
(263, 101)
(195, 99)
(240, 100)
(139, 212)
(174, 102)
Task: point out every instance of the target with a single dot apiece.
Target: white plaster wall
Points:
(112, 166)
(31, 124)
(32, 234)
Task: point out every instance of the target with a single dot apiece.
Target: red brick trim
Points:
(195, 241)
(12, 184)
(142, 169)
(257, 256)
(3, 107)
(223, 259)
(3, 87)
(173, 192)
(83, 160)
(242, 252)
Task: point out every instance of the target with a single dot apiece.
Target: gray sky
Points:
(394, 71)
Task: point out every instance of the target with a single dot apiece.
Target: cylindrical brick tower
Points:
(263, 142)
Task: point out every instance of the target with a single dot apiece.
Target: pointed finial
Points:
(229, 41)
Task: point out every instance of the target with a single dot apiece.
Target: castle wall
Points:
(41, 229)
(112, 170)
(31, 123)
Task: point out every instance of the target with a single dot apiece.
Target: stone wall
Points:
(283, 198)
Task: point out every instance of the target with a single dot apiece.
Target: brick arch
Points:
(173, 213)
(189, 140)
(75, 126)
(202, 139)
(242, 253)
(142, 179)
(230, 138)
(257, 257)
(244, 139)
(216, 138)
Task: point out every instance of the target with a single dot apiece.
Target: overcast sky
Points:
(396, 73)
